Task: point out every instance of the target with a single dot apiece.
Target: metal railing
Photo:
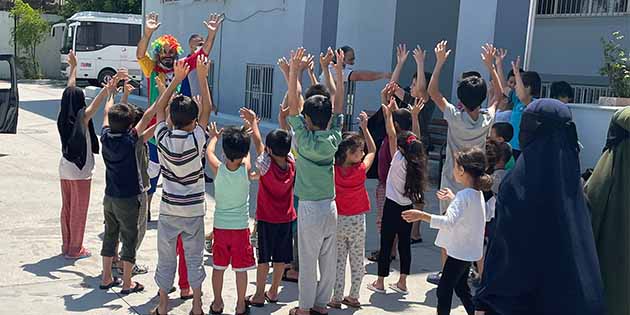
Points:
(572, 8)
(348, 121)
(259, 89)
(583, 94)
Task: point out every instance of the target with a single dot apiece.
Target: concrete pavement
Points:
(35, 279)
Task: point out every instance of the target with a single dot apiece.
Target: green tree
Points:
(31, 30)
(71, 7)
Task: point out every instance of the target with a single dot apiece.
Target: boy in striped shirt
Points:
(183, 204)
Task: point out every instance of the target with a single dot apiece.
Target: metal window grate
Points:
(572, 8)
(583, 94)
(259, 89)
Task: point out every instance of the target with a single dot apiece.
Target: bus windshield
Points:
(68, 36)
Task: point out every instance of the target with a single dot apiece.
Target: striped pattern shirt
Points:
(183, 187)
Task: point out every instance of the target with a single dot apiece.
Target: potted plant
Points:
(617, 68)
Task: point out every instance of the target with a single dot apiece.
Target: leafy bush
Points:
(616, 65)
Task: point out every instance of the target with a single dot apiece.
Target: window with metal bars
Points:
(583, 94)
(557, 8)
(259, 89)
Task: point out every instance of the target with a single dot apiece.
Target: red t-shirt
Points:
(351, 195)
(275, 190)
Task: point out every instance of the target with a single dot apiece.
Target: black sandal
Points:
(249, 302)
(115, 283)
(137, 288)
(213, 312)
(269, 300)
(246, 312)
(156, 312)
(287, 279)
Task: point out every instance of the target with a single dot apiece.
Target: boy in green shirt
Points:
(314, 185)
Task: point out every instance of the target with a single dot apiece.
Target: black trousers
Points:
(454, 278)
(393, 225)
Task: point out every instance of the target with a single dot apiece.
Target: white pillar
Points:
(476, 26)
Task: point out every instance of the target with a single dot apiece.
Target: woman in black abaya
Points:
(542, 258)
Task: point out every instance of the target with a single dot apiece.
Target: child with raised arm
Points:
(351, 166)
(76, 165)
(406, 182)
(274, 207)
(468, 127)
(316, 148)
(231, 245)
(526, 90)
(183, 205)
(123, 189)
(460, 228)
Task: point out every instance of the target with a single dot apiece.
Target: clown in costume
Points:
(158, 63)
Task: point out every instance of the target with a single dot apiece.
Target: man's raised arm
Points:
(212, 24)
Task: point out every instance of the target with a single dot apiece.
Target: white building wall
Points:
(261, 39)
(368, 26)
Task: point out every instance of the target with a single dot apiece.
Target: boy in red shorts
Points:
(231, 244)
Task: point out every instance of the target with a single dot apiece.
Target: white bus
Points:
(103, 42)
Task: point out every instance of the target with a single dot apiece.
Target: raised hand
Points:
(248, 115)
(213, 131)
(401, 54)
(499, 55)
(445, 194)
(487, 55)
(326, 59)
(152, 22)
(387, 92)
(159, 84)
(296, 58)
(412, 215)
(516, 66)
(441, 52)
(417, 107)
(419, 55)
(283, 113)
(363, 120)
(340, 57)
(128, 88)
(214, 22)
(181, 70)
(203, 66)
(72, 59)
(283, 64)
(305, 61)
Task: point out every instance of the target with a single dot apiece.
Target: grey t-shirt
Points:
(463, 133)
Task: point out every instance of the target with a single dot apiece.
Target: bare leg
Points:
(261, 280)
(217, 287)
(379, 283)
(275, 280)
(107, 271)
(241, 289)
(415, 231)
(443, 256)
(127, 267)
(163, 303)
(197, 306)
(402, 282)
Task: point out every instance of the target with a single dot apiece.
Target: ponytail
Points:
(475, 163)
(416, 177)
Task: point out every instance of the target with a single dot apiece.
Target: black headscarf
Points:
(542, 258)
(71, 131)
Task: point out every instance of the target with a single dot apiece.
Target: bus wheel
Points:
(105, 76)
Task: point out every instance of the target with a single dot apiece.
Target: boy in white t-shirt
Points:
(468, 127)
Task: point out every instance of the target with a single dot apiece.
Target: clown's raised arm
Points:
(150, 26)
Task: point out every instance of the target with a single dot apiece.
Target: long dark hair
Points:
(474, 163)
(416, 177)
(351, 141)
